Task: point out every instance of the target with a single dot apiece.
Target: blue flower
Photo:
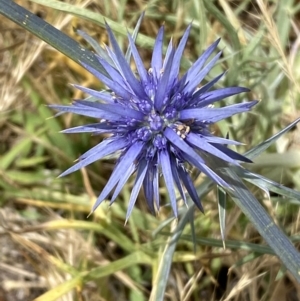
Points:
(158, 121)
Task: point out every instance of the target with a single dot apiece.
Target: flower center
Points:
(156, 123)
(159, 142)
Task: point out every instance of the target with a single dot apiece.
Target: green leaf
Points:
(60, 290)
(255, 151)
(15, 151)
(49, 34)
(25, 178)
(267, 184)
(120, 264)
(165, 262)
(256, 213)
(274, 236)
(222, 212)
(232, 244)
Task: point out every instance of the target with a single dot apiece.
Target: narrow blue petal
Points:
(148, 187)
(174, 167)
(234, 155)
(202, 144)
(114, 59)
(191, 156)
(110, 83)
(156, 61)
(181, 84)
(79, 129)
(101, 95)
(141, 172)
(138, 61)
(211, 115)
(127, 72)
(195, 80)
(181, 144)
(115, 75)
(174, 72)
(124, 164)
(216, 95)
(162, 91)
(206, 170)
(84, 111)
(188, 183)
(225, 141)
(203, 89)
(99, 50)
(91, 128)
(156, 187)
(207, 86)
(94, 149)
(170, 49)
(114, 108)
(167, 173)
(192, 72)
(216, 178)
(97, 152)
(122, 182)
(205, 146)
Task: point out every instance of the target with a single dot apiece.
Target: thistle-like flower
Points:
(157, 121)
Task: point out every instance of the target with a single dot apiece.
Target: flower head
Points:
(157, 120)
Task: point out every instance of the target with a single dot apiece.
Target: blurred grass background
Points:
(49, 250)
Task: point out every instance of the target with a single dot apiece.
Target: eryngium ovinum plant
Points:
(158, 121)
(159, 124)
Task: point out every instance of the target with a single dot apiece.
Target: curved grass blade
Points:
(193, 232)
(134, 258)
(60, 290)
(257, 150)
(222, 212)
(95, 274)
(232, 244)
(165, 262)
(267, 184)
(214, 11)
(49, 34)
(212, 8)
